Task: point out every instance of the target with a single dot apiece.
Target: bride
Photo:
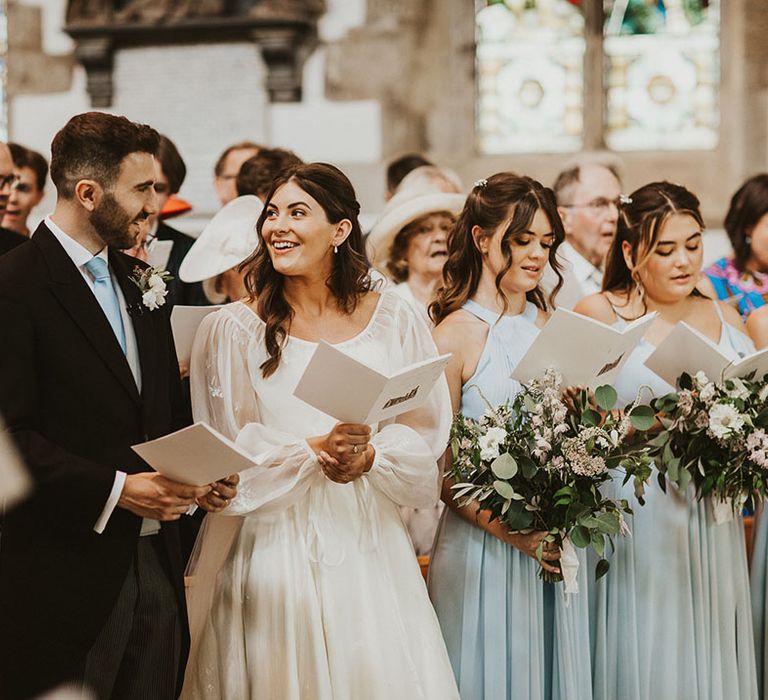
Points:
(306, 585)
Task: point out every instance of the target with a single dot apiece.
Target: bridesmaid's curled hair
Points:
(641, 218)
(504, 198)
(349, 278)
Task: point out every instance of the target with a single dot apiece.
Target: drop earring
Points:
(335, 249)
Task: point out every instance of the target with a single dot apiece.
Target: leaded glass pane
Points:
(530, 73)
(662, 74)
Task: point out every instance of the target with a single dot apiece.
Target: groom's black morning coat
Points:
(71, 404)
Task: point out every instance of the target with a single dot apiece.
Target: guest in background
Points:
(399, 168)
(672, 616)
(509, 634)
(8, 239)
(31, 171)
(228, 166)
(170, 172)
(259, 172)
(742, 279)
(215, 258)
(587, 198)
(431, 178)
(409, 245)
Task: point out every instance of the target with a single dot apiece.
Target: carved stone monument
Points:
(285, 31)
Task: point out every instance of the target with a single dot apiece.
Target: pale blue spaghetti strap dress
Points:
(671, 619)
(509, 635)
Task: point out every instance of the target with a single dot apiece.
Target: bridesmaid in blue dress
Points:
(509, 635)
(671, 619)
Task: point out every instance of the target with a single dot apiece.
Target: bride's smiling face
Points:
(297, 233)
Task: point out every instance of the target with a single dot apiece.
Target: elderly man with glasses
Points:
(8, 239)
(588, 199)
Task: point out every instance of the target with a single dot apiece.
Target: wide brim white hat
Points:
(404, 208)
(229, 238)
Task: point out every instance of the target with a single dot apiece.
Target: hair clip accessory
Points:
(480, 183)
(625, 199)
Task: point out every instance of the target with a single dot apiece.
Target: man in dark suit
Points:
(91, 587)
(8, 239)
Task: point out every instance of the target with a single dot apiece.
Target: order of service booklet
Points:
(584, 351)
(159, 253)
(185, 320)
(195, 455)
(687, 350)
(352, 392)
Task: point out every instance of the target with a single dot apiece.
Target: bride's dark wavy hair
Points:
(490, 203)
(349, 278)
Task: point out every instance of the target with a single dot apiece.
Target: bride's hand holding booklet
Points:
(352, 392)
(583, 350)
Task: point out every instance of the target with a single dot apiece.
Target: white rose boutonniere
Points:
(152, 285)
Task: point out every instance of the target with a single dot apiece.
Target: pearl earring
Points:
(335, 249)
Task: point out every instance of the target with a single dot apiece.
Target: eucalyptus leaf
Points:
(601, 569)
(591, 418)
(504, 466)
(606, 397)
(642, 417)
(528, 467)
(580, 536)
(517, 518)
(503, 489)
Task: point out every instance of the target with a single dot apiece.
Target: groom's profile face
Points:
(128, 202)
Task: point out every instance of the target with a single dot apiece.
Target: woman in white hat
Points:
(228, 239)
(409, 242)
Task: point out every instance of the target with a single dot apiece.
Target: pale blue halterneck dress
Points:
(671, 619)
(509, 635)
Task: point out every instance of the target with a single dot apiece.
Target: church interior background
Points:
(675, 89)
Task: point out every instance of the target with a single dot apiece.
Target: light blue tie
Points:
(106, 296)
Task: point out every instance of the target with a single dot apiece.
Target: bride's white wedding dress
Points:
(314, 593)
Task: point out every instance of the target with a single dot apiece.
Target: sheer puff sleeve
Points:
(227, 350)
(409, 449)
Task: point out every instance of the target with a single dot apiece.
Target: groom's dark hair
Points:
(92, 145)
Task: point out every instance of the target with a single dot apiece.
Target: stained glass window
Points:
(662, 74)
(3, 71)
(648, 69)
(530, 75)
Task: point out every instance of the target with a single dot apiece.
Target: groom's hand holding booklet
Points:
(196, 455)
(584, 351)
(352, 392)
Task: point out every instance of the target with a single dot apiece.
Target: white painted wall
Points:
(205, 97)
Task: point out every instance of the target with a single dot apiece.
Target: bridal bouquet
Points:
(715, 435)
(538, 462)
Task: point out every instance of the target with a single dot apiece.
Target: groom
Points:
(91, 587)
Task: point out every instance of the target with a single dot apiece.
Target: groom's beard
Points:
(114, 224)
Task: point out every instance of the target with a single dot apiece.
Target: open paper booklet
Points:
(352, 392)
(195, 455)
(687, 350)
(185, 320)
(584, 351)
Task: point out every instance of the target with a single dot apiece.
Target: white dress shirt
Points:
(80, 256)
(580, 277)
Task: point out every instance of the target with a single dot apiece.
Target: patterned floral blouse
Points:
(748, 290)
